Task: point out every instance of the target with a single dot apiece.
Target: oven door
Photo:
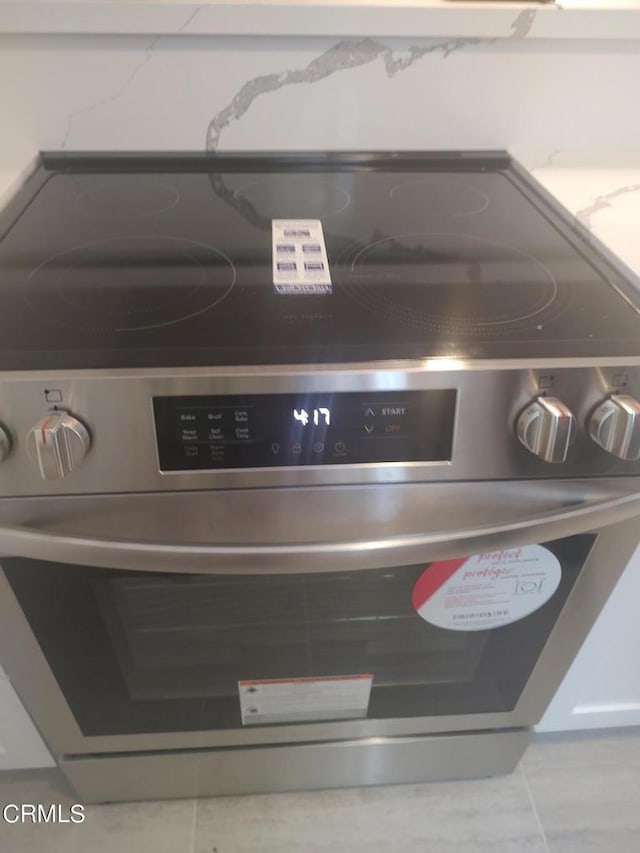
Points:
(160, 622)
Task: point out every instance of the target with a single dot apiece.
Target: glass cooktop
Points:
(166, 261)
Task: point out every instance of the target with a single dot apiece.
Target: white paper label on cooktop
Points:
(299, 257)
(486, 590)
(296, 700)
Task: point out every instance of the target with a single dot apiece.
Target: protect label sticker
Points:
(296, 700)
(486, 590)
(299, 257)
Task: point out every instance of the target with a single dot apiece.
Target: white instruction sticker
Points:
(295, 700)
(487, 590)
(299, 256)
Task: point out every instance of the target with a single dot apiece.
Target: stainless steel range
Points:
(317, 469)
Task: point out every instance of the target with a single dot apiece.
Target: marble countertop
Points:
(600, 189)
(451, 19)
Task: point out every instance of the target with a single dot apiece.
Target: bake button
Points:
(189, 417)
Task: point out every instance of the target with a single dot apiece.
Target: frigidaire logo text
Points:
(39, 813)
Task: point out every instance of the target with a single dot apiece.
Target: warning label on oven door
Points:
(487, 590)
(299, 257)
(296, 700)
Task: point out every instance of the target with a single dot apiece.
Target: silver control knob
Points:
(546, 428)
(615, 426)
(5, 444)
(58, 444)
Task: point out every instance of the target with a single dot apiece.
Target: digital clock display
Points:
(319, 416)
(274, 430)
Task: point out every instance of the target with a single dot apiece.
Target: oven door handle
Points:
(430, 531)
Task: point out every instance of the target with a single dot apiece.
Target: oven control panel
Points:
(274, 430)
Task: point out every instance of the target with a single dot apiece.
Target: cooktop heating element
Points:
(172, 261)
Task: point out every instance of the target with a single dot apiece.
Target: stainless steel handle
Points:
(352, 554)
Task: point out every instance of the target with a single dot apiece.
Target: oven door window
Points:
(139, 652)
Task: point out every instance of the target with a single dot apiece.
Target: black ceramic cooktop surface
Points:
(168, 261)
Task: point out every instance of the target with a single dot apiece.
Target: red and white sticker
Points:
(487, 590)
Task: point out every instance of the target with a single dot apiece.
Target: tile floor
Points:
(576, 793)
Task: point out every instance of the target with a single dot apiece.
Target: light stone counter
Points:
(566, 19)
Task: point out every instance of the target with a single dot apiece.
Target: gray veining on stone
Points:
(340, 57)
(547, 163)
(586, 214)
(343, 55)
(521, 26)
(122, 89)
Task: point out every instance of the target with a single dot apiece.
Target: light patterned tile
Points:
(148, 827)
(486, 815)
(36, 787)
(153, 827)
(586, 789)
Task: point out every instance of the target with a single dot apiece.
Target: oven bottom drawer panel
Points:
(374, 761)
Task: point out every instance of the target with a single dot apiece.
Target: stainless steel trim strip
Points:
(371, 761)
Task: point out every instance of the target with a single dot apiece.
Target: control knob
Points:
(546, 428)
(57, 444)
(615, 426)
(5, 444)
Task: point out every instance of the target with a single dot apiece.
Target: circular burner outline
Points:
(146, 326)
(238, 194)
(485, 323)
(158, 307)
(81, 198)
(473, 190)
